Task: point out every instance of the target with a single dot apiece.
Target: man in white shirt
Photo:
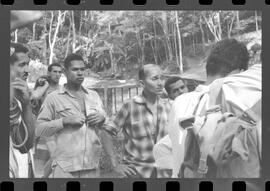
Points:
(227, 57)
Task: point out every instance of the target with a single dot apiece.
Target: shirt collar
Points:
(202, 88)
(63, 89)
(140, 99)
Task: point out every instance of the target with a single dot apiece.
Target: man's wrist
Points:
(64, 121)
(26, 104)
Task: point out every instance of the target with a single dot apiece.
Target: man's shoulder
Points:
(56, 94)
(252, 76)
(188, 96)
(165, 101)
(91, 92)
(131, 102)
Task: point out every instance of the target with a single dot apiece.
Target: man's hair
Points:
(227, 55)
(52, 65)
(71, 58)
(17, 48)
(172, 80)
(144, 69)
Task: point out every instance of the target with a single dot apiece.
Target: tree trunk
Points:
(16, 36)
(176, 50)
(193, 44)
(154, 53)
(50, 41)
(140, 43)
(155, 36)
(209, 22)
(44, 52)
(73, 31)
(219, 27)
(230, 27)
(45, 41)
(143, 45)
(166, 34)
(34, 32)
(81, 23)
(179, 43)
(237, 19)
(112, 60)
(113, 67)
(202, 31)
(53, 41)
(256, 21)
(68, 40)
(50, 29)
(166, 50)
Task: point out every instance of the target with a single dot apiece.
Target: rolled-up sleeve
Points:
(115, 126)
(47, 125)
(100, 104)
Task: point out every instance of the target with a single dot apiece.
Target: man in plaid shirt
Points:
(143, 120)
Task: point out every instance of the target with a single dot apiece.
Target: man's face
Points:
(177, 89)
(153, 81)
(55, 74)
(20, 68)
(75, 72)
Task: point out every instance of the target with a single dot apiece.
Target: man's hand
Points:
(74, 120)
(125, 170)
(42, 81)
(21, 91)
(95, 118)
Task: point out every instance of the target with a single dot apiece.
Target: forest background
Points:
(115, 44)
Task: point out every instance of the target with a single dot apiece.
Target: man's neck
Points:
(150, 97)
(73, 87)
(210, 79)
(54, 85)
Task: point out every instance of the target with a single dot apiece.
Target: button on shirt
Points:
(137, 121)
(72, 148)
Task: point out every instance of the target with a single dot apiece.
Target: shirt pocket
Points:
(64, 111)
(138, 130)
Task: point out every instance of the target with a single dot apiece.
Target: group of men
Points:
(67, 126)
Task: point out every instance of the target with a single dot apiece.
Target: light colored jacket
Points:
(72, 148)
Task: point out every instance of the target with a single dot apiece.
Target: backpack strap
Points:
(204, 152)
(203, 168)
(214, 92)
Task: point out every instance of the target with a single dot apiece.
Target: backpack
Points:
(226, 146)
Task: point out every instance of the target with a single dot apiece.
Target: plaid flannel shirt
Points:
(136, 121)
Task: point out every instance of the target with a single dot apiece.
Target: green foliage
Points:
(113, 40)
